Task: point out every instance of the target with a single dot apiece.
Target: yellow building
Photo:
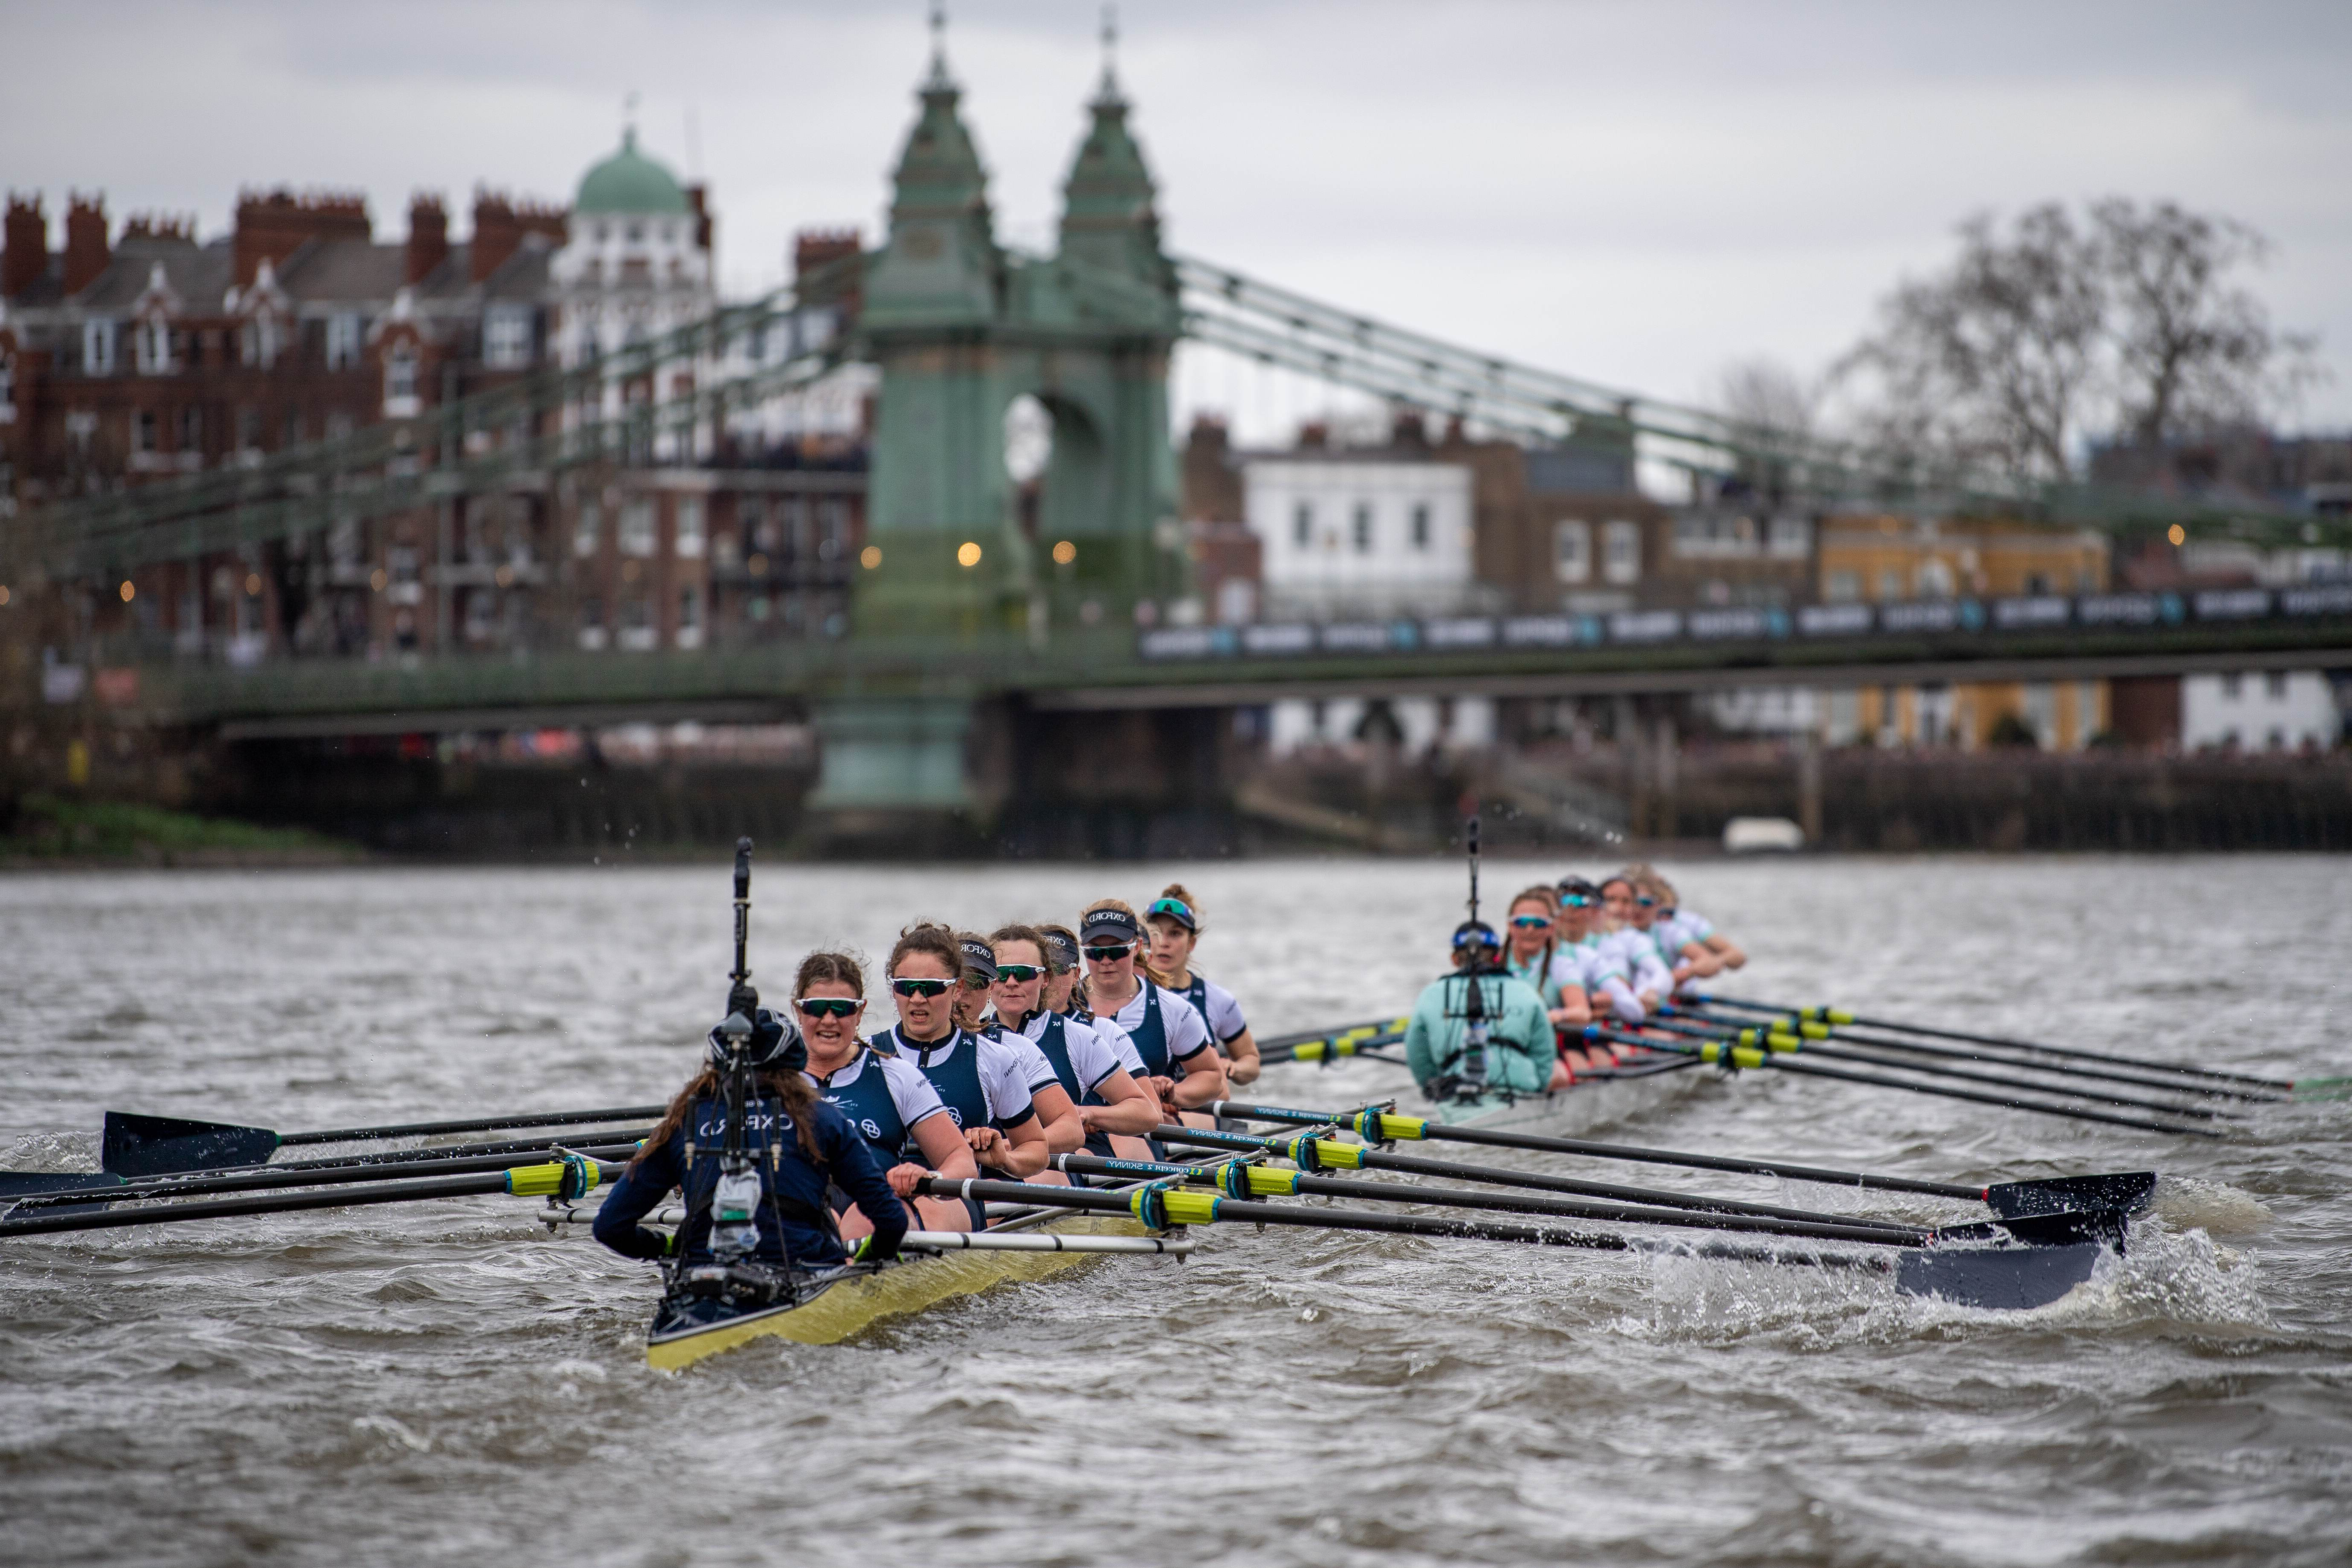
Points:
(1888, 558)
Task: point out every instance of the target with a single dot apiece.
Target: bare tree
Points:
(1994, 361)
(2192, 351)
(1773, 413)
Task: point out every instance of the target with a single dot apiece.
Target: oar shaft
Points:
(2009, 1057)
(1842, 1053)
(1822, 1228)
(1650, 1197)
(273, 1178)
(2075, 1052)
(287, 1202)
(478, 1124)
(1496, 1139)
(1946, 1091)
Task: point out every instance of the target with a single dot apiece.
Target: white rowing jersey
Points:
(1686, 925)
(1588, 965)
(1216, 1004)
(1093, 1058)
(1036, 1070)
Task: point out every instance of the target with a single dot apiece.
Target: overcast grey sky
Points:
(1633, 194)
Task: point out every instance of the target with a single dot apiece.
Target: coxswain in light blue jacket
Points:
(1520, 1057)
(798, 1145)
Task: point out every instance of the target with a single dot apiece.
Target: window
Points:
(1361, 527)
(1420, 525)
(248, 429)
(400, 382)
(689, 528)
(342, 341)
(1936, 579)
(2275, 684)
(292, 435)
(2042, 712)
(1621, 561)
(98, 346)
(1572, 551)
(592, 622)
(637, 526)
(689, 618)
(506, 337)
(153, 346)
(1790, 538)
(2230, 686)
(7, 386)
(191, 427)
(588, 529)
(1302, 525)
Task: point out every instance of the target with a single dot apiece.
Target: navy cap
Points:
(978, 956)
(1116, 924)
(1475, 933)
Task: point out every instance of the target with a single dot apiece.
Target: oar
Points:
(1724, 1054)
(1778, 1041)
(133, 1145)
(1991, 1276)
(1328, 1044)
(2330, 1086)
(562, 1179)
(2005, 1055)
(1242, 1179)
(24, 1184)
(2126, 1190)
(324, 1172)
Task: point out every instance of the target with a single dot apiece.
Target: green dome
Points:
(629, 182)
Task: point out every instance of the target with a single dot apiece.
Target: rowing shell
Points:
(837, 1305)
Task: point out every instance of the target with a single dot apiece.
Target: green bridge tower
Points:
(961, 328)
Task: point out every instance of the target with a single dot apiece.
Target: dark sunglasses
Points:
(827, 1006)
(1111, 954)
(919, 987)
(1647, 903)
(1530, 923)
(1019, 974)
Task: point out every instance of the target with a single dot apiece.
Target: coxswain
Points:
(1057, 1114)
(1531, 956)
(1171, 1037)
(1098, 1069)
(983, 1082)
(798, 1147)
(1173, 919)
(1480, 1031)
(891, 1105)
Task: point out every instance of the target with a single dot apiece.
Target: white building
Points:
(2272, 710)
(1372, 534)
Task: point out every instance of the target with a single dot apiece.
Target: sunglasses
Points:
(1018, 973)
(1110, 954)
(1530, 923)
(827, 1006)
(1575, 900)
(1177, 907)
(919, 987)
(1647, 903)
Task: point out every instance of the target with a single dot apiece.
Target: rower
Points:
(1097, 1068)
(1687, 958)
(1533, 956)
(1696, 927)
(1653, 982)
(1058, 1112)
(890, 1104)
(796, 1145)
(1062, 972)
(982, 1083)
(1170, 1037)
(1173, 919)
(1480, 1031)
(1596, 967)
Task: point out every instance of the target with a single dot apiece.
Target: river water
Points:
(444, 1384)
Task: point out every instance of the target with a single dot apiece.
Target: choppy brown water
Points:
(436, 1383)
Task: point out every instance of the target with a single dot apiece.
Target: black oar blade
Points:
(2125, 1191)
(1996, 1279)
(26, 1184)
(162, 1145)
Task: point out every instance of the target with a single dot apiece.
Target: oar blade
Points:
(1996, 1279)
(2125, 1191)
(165, 1145)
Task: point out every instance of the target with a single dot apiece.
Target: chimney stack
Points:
(428, 235)
(86, 251)
(500, 225)
(275, 224)
(697, 196)
(28, 253)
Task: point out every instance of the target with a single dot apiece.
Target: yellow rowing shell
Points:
(850, 1305)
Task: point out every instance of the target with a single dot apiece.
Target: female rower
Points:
(1652, 981)
(890, 1104)
(1057, 1113)
(1687, 958)
(799, 1146)
(1697, 927)
(981, 1081)
(1533, 946)
(1174, 921)
(1170, 1037)
(1595, 964)
(1096, 1068)
(1062, 972)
